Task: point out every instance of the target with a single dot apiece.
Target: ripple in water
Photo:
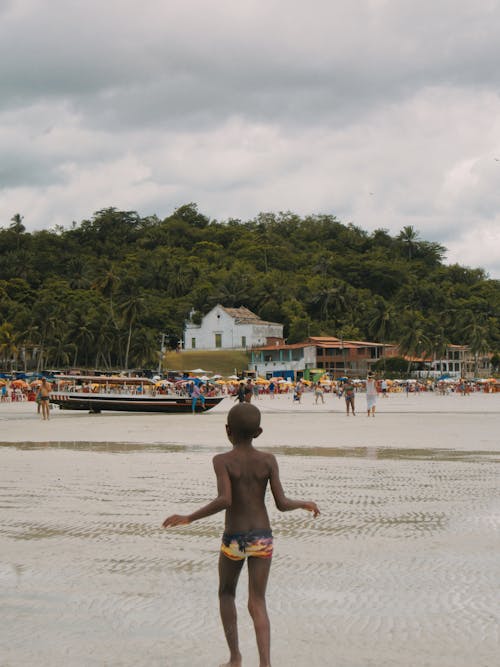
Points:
(405, 554)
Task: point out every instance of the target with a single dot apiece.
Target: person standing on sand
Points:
(240, 394)
(348, 392)
(43, 395)
(197, 395)
(272, 389)
(248, 391)
(383, 387)
(242, 478)
(371, 395)
(318, 393)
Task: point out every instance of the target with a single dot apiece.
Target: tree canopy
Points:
(99, 293)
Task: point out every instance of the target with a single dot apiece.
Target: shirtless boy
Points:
(242, 477)
(43, 393)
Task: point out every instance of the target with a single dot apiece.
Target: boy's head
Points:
(243, 422)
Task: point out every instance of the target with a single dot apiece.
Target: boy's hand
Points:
(175, 520)
(312, 507)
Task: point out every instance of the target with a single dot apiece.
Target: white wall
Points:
(218, 321)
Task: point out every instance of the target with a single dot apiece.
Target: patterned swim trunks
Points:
(257, 543)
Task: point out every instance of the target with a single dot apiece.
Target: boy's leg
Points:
(258, 574)
(229, 573)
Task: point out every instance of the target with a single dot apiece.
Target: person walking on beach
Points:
(298, 390)
(348, 392)
(248, 391)
(242, 478)
(43, 395)
(197, 395)
(240, 394)
(272, 389)
(318, 393)
(371, 395)
(383, 387)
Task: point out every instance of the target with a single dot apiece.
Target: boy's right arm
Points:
(222, 502)
(283, 503)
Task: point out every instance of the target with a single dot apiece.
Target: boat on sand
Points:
(122, 394)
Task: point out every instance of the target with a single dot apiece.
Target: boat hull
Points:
(122, 403)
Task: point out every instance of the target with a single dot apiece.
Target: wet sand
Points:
(401, 569)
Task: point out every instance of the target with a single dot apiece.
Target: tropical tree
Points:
(8, 344)
(477, 335)
(131, 308)
(409, 237)
(413, 341)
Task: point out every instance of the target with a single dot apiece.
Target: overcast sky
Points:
(385, 113)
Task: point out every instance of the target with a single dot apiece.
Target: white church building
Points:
(230, 329)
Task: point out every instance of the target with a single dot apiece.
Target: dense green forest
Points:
(100, 293)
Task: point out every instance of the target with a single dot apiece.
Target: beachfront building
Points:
(335, 356)
(230, 329)
(460, 362)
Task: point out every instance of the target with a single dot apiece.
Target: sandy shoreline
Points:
(400, 570)
(425, 421)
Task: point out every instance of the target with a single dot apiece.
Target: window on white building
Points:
(193, 343)
(243, 341)
(218, 340)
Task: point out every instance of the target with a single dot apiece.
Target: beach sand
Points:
(401, 569)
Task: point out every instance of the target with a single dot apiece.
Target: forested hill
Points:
(99, 293)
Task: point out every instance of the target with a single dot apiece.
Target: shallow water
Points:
(401, 568)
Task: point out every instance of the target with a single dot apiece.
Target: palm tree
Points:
(330, 297)
(381, 323)
(107, 283)
(409, 236)
(477, 339)
(413, 341)
(131, 308)
(8, 344)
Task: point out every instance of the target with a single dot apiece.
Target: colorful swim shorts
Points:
(257, 543)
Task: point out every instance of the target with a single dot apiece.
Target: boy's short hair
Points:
(244, 419)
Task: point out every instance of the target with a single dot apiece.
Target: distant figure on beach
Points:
(248, 391)
(348, 392)
(240, 394)
(371, 395)
(197, 395)
(242, 478)
(43, 395)
(298, 391)
(383, 387)
(272, 389)
(318, 393)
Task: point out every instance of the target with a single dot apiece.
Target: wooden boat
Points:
(121, 394)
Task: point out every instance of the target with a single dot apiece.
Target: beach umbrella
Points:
(19, 384)
(233, 377)
(37, 383)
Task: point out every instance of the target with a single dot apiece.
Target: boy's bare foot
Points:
(231, 664)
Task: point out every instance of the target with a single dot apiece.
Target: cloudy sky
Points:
(385, 113)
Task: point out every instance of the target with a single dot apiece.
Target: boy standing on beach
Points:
(242, 477)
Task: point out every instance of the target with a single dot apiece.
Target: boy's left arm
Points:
(222, 502)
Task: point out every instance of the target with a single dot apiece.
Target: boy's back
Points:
(249, 471)
(242, 477)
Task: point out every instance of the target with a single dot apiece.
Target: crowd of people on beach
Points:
(253, 389)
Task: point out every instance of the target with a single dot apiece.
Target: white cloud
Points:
(244, 107)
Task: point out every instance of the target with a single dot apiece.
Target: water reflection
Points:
(362, 452)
